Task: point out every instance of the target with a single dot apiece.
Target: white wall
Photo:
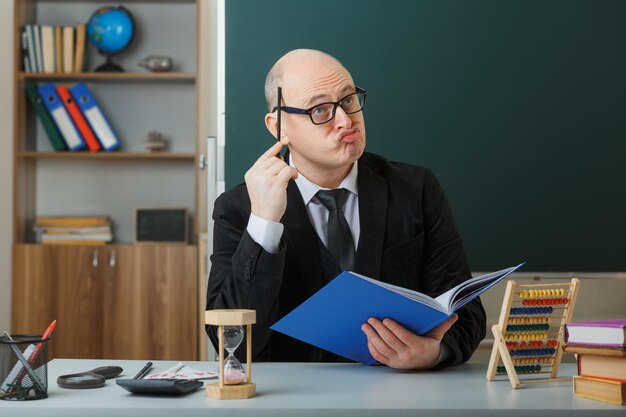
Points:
(6, 160)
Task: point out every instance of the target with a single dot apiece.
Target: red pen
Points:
(33, 356)
(49, 330)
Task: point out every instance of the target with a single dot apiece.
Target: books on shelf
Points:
(79, 47)
(72, 115)
(68, 49)
(65, 221)
(53, 49)
(47, 49)
(25, 58)
(74, 230)
(60, 230)
(38, 51)
(95, 238)
(28, 48)
(600, 349)
(58, 48)
(332, 321)
(603, 333)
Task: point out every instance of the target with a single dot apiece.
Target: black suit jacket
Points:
(408, 238)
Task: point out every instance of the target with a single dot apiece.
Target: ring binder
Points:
(59, 114)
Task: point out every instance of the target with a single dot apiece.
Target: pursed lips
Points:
(349, 135)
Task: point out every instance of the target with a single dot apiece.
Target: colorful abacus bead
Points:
(526, 327)
(520, 369)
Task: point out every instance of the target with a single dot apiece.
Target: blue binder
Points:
(61, 117)
(99, 123)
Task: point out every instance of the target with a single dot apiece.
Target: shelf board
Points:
(111, 76)
(126, 1)
(107, 155)
(109, 244)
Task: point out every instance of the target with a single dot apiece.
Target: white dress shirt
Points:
(268, 233)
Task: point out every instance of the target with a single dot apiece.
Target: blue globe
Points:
(110, 29)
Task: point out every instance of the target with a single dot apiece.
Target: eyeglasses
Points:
(325, 112)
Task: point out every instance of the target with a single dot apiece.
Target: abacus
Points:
(529, 333)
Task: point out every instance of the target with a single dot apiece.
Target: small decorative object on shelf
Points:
(160, 225)
(157, 63)
(155, 142)
(234, 381)
(111, 30)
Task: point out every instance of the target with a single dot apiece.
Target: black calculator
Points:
(159, 386)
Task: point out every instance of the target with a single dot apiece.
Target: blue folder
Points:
(331, 319)
(94, 115)
(61, 117)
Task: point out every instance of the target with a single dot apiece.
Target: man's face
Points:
(330, 146)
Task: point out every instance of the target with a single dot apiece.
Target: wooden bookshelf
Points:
(108, 76)
(106, 155)
(136, 102)
(103, 281)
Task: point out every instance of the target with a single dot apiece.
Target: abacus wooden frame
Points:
(500, 351)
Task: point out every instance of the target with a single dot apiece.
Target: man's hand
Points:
(398, 347)
(267, 183)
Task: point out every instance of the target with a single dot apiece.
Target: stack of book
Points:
(53, 49)
(74, 230)
(600, 349)
(71, 117)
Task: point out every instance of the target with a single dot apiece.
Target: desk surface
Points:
(308, 389)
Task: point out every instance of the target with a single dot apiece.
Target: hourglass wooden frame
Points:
(222, 318)
(529, 334)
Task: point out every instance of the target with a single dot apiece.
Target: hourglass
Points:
(234, 382)
(233, 369)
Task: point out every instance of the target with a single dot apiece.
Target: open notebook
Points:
(331, 318)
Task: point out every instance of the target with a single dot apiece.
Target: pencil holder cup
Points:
(23, 367)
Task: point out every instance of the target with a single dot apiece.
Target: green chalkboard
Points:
(519, 107)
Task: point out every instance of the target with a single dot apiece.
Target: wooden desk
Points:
(309, 389)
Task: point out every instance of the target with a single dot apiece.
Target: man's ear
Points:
(271, 123)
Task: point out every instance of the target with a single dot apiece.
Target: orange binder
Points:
(77, 117)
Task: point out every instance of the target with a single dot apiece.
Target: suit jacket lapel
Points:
(373, 220)
(301, 240)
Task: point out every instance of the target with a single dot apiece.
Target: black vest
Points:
(330, 269)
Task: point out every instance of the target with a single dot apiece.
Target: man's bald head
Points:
(275, 77)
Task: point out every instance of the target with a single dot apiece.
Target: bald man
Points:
(275, 244)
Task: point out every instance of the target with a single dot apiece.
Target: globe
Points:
(110, 29)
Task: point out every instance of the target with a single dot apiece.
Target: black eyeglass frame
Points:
(296, 110)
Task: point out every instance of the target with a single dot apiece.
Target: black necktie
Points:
(340, 242)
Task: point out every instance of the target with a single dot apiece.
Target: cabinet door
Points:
(59, 282)
(151, 302)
